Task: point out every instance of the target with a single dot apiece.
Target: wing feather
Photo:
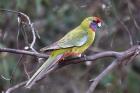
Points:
(76, 37)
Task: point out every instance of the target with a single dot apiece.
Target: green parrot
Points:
(74, 43)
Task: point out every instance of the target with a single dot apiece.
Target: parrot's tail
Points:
(45, 68)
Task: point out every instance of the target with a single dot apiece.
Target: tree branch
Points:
(17, 51)
(9, 90)
(119, 57)
(100, 76)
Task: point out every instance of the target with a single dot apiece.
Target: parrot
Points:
(74, 43)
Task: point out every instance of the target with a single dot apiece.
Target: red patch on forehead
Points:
(98, 20)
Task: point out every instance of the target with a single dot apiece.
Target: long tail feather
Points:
(43, 70)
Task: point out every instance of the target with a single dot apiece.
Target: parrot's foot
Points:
(85, 57)
(80, 55)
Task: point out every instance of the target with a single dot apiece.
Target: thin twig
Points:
(100, 77)
(34, 37)
(18, 51)
(131, 15)
(122, 23)
(17, 64)
(9, 90)
(25, 70)
(24, 19)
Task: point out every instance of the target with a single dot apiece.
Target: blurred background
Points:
(52, 20)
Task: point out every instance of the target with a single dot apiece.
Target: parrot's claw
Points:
(85, 57)
(79, 55)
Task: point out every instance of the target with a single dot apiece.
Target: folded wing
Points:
(76, 37)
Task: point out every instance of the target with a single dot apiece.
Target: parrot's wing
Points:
(51, 47)
(76, 37)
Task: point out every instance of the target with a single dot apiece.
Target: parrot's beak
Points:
(103, 26)
(99, 24)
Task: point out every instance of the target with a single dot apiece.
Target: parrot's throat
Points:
(93, 27)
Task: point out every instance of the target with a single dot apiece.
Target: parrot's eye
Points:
(97, 23)
(94, 22)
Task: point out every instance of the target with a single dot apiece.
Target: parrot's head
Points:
(92, 22)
